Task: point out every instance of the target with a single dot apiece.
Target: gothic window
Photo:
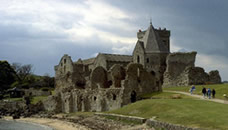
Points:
(147, 60)
(64, 61)
(113, 96)
(138, 59)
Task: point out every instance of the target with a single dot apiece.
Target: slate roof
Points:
(86, 61)
(152, 41)
(116, 57)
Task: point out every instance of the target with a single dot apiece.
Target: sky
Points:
(40, 32)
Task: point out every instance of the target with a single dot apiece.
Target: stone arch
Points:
(118, 73)
(133, 96)
(99, 77)
(134, 71)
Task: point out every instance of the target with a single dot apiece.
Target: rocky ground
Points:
(98, 123)
(61, 122)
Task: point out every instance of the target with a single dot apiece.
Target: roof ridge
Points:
(115, 54)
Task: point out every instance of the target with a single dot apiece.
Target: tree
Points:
(7, 75)
(22, 71)
(48, 81)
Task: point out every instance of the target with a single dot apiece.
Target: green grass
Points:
(14, 99)
(85, 114)
(37, 99)
(219, 88)
(186, 111)
(162, 95)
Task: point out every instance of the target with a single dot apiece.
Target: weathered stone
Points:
(110, 81)
(53, 103)
(118, 74)
(177, 63)
(196, 75)
(99, 76)
(214, 77)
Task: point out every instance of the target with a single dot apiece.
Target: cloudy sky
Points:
(40, 32)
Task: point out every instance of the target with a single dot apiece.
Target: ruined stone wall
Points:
(176, 65)
(104, 90)
(182, 72)
(65, 65)
(112, 63)
(100, 61)
(195, 76)
(138, 53)
(35, 92)
(214, 77)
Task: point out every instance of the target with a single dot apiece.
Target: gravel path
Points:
(200, 97)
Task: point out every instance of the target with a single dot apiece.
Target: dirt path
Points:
(200, 97)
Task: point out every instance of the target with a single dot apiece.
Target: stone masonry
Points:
(110, 81)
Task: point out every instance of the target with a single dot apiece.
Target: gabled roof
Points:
(86, 61)
(116, 57)
(152, 41)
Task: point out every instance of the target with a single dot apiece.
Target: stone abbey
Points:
(110, 81)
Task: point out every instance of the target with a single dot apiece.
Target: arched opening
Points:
(147, 60)
(113, 96)
(138, 59)
(109, 83)
(153, 73)
(94, 98)
(133, 96)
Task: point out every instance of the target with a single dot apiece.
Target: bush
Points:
(45, 89)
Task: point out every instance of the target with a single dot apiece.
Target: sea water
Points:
(17, 125)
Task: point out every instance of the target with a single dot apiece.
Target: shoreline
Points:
(55, 124)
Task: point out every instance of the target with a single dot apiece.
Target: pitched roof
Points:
(152, 41)
(86, 61)
(116, 57)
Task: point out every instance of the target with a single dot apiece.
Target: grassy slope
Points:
(37, 99)
(219, 88)
(186, 111)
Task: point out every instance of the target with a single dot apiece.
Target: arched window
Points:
(138, 59)
(113, 97)
(147, 60)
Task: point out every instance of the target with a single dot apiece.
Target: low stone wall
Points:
(35, 92)
(123, 117)
(12, 105)
(167, 126)
(150, 122)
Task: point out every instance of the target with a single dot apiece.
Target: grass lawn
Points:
(37, 99)
(163, 95)
(219, 88)
(186, 111)
(13, 99)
